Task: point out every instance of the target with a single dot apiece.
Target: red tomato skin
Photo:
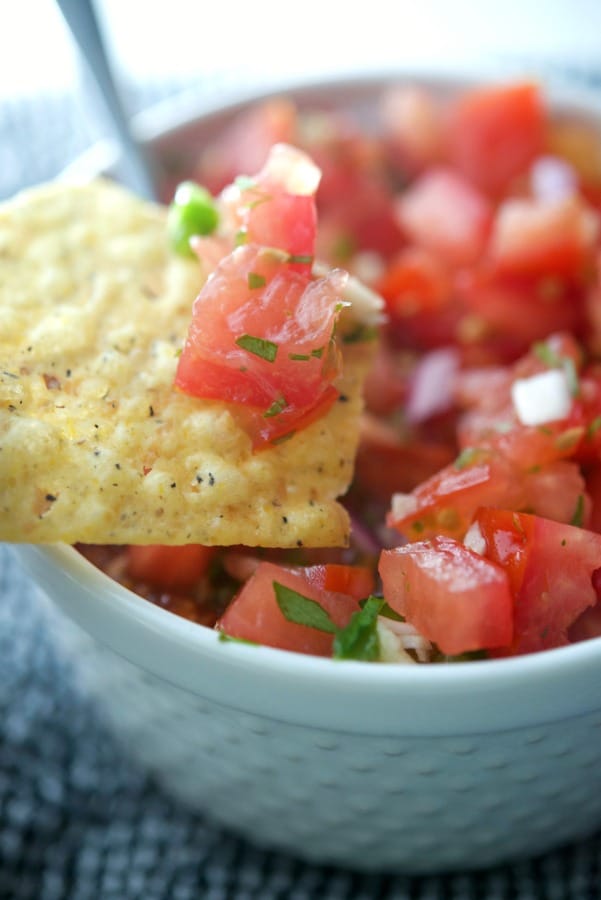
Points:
(495, 133)
(254, 614)
(286, 221)
(356, 581)
(171, 568)
(454, 597)
(536, 238)
(550, 567)
(292, 313)
(245, 145)
(386, 464)
(446, 503)
(445, 214)
(414, 281)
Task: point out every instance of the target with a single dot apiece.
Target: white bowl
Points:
(394, 768)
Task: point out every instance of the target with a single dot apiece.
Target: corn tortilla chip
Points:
(95, 444)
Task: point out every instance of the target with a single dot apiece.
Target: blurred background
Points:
(168, 49)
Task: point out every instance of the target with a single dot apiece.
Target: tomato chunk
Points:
(495, 133)
(172, 568)
(254, 614)
(453, 596)
(444, 213)
(533, 237)
(260, 337)
(550, 567)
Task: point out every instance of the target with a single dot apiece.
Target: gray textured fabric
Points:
(78, 821)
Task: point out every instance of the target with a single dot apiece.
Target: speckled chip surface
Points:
(95, 444)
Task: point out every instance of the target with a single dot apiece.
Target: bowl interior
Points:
(483, 695)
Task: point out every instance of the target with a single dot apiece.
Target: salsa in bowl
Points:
(455, 762)
(476, 217)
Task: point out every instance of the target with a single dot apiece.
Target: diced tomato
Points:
(516, 311)
(454, 597)
(287, 214)
(170, 568)
(414, 281)
(260, 337)
(412, 126)
(254, 614)
(363, 219)
(354, 199)
(387, 463)
(593, 490)
(446, 502)
(243, 147)
(495, 133)
(545, 239)
(577, 143)
(276, 208)
(356, 581)
(550, 567)
(385, 385)
(445, 214)
(486, 476)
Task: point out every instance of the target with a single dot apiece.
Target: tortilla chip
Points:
(95, 444)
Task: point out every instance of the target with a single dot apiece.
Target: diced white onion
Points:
(542, 398)
(553, 178)
(402, 505)
(391, 647)
(474, 539)
(367, 307)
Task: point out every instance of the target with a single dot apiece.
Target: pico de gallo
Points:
(476, 500)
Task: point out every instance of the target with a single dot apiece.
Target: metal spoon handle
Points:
(81, 18)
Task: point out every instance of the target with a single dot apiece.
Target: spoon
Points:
(133, 165)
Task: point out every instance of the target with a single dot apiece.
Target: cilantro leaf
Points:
(259, 346)
(302, 610)
(359, 640)
(256, 281)
(554, 360)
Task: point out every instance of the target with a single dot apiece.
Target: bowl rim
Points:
(561, 681)
(469, 697)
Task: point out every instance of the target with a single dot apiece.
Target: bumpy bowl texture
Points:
(412, 769)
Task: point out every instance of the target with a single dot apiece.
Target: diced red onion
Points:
(432, 382)
(362, 537)
(553, 179)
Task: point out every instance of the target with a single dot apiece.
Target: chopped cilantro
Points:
(359, 639)
(282, 438)
(593, 427)
(302, 610)
(300, 258)
(276, 408)
(578, 517)
(466, 457)
(554, 360)
(255, 280)
(229, 638)
(258, 346)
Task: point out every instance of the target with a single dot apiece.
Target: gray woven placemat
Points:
(78, 820)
